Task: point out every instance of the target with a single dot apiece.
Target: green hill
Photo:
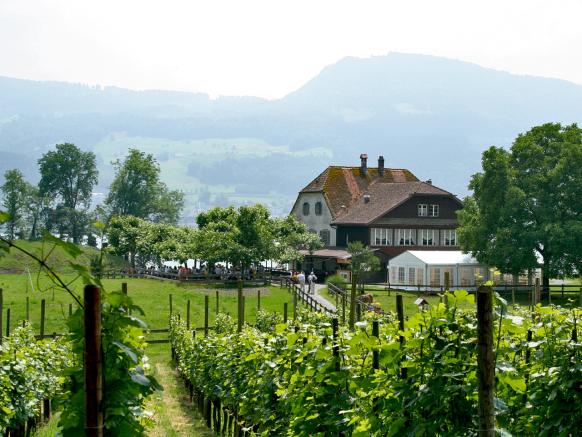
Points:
(18, 262)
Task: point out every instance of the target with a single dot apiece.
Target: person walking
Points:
(301, 279)
(311, 279)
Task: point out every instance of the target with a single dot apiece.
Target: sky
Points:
(270, 48)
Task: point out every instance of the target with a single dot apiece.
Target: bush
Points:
(337, 280)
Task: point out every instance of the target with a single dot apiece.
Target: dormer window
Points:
(433, 211)
(306, 208)
(318, 208)
(422, 210)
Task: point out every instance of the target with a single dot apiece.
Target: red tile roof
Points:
(343, 187)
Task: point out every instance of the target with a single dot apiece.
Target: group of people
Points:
(301, 280)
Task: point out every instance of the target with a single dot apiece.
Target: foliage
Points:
(137, 191)
(363, 260)
(286, 382)
(68, 176)
(14, 192)
(126, 383)
(336, 280)
(526, 203)
(267, 321)
(30, 371)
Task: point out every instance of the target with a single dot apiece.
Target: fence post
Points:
(206, 299)
(188, 314)
(285, 312)
(294, 291)
(217, 302)
(93, 375)
(344, 298)
(447, 281)
(7, 322)
(70, 309)
(485, 364)
(171, 308)
(400, 312)
(27, 308)
(239, 301)
(259, 299)
(334, 326)
(243, 310)
(353, 302)
(42, 315)
(537, 292)
(375, 352)
(2, 310)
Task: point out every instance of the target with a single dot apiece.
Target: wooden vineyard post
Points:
(7, 322)
(70, 309)
(1, 311)
(336, 357)
(527, 359)
(42, 315)
(171, 309)
(259, 299)
(536, 292)
(216, 302)
(285, 312)
(243, 311)
(294, 290)
(447, 288)
(375, 352)
(353, 303)
(485, 364)
(124, 291)
(93, 375)
(206, 299)
(239, 300)
(188, 314)
(344, 297)
(400, 312)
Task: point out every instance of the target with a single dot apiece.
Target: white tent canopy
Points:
(427, 268)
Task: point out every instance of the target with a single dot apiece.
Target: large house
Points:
(390, 210)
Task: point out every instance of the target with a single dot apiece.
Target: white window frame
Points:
(449, 237)
(422, 210)
(381, 237)
(428, 235)
(433, 211)
(408, 237)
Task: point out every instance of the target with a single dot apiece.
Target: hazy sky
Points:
(269, 48)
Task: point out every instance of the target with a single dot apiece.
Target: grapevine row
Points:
(304, 378)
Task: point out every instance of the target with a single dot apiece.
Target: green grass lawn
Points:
(387, 298)
(153, 296)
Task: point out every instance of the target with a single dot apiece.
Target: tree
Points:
(123, 233)
(363, 261)
(138, 191)
(526, 204)
(14, 192)
(68, 175)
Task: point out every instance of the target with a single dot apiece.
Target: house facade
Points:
(390, 210)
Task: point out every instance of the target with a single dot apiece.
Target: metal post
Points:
(93, 363)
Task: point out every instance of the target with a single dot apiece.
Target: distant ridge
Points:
(432, 115)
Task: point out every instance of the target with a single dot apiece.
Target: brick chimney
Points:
(381, 166)
(363, 164)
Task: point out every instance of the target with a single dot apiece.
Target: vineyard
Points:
(419, 376)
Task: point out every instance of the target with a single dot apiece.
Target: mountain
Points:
(432, 115)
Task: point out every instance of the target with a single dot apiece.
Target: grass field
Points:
(153, 296)
(387, 298)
